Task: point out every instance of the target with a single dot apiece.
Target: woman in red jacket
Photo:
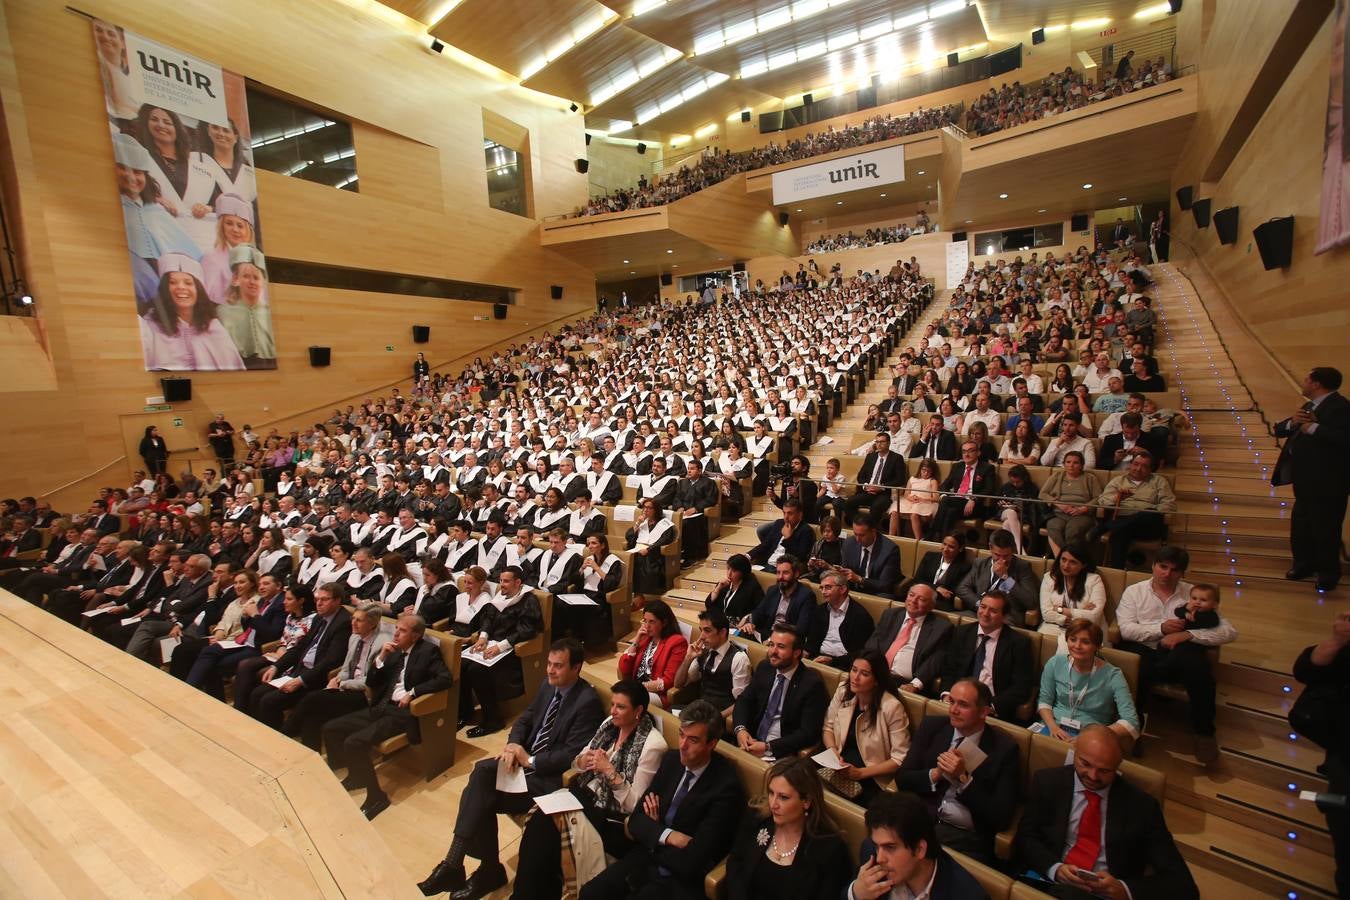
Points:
(656, 655)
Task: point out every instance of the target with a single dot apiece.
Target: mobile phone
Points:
(1088, 876)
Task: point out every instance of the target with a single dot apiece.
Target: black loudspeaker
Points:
(1184, 196)
(1200, 209)
(1226, 224)
(1079, 222)
(745, 115)
(583, 166)
(738, 267)
(179, 390)
(421, 334)
(953, 60)
(1275, 240)
(572, 108)
(499, 310)
(436, 46)
(1175, 5)
(642, 148)
(320, 356)
(588, 139)
(958, 237)
(807, 99)
(1038, 36)
(555, 291)
(667, 279)
(783, 219)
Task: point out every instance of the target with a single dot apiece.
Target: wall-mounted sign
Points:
(854, 172)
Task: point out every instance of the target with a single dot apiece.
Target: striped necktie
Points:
(541, 740)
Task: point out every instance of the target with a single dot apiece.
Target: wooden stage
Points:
(117, 780)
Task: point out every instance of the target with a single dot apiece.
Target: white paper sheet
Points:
(970, 752)
(625, 513)
(167, 646)
(556, 802)
(90, 613)
(828, 759)
(484, 660)
(282, 680)
(510, 781)
(131, 620)
(577, 600)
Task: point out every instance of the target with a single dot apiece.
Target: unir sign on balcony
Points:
(854, 172)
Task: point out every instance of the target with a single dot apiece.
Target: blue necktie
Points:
(681, 792)
(546, 729)
(977, 665)
(772, 710)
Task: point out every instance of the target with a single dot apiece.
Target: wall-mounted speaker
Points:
(588, 139)
(572, 108)
(421, 334)
(953, 60)
(1275, 240)
(555, 291)
(667, 279)
(320, 356)
(745, 115)
(642, 148)
(958, 237)
(499, 310)
(436, 46)
(1038, 36)
(783, 219)
(583, 166)
(1226, 224)
(1175, 5)
(179, 390)
(807, 99)
(1079, 222)
(1200, 209)
(738, 267)
(1184, 196)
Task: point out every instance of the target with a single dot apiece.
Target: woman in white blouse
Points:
(1072, 589)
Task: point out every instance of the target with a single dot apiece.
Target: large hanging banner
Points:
(184, 172)
(958, 260)
(1333, 228)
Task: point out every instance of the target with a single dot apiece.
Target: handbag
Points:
(839, 784)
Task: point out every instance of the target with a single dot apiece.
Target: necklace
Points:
(780, 856)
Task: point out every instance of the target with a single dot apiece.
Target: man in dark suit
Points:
(1094, 834)
(892, 403)
(22, 538)
(695, 493)
(1118, 449)
(913, 641)
(881, 472)
(1001, 570)
(544, 740)
(944, 569)
(997, 655)
(684, 824)
(178, 606)
(788, 600)
(962, 490)
(788, 536)
(839, 627)
(971, 805)
(902, 848)
(782, 710)
(870, 561)
(106, 573)
(936, 442)
(266, 690)
(903, 382)
(1313, 461)
(135, 601)
(408, 667)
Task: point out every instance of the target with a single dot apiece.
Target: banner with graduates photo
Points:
(183, 166)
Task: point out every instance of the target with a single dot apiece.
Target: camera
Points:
(780, 470)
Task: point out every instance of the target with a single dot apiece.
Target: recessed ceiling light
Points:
(799, 210)
(1003, 196)
(1122, 198)
(632, 273)
(1088, 186)
(625, 262)
(674, 267)
(968, 221)
(1040, 210)
(883, 195)
(921, 171)
(670, 251)
(839, 203)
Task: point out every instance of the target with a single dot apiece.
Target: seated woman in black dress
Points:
(738, 593)
(616, 767)
(790, 850)
(644, 540)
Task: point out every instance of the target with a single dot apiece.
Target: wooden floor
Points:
(104, 759)
(117, 780)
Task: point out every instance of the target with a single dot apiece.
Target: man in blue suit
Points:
(788, 536)
(870, 561)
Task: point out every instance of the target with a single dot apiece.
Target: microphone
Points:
(1325, 802)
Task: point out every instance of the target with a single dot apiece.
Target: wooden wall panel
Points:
(422, 210)
(1299, 314)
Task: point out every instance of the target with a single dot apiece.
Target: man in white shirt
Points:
(982, 413)
(719, 668)
(1069, 439)
(1098, 377)
(1035, 384)
(1168, 651)
(839, 628)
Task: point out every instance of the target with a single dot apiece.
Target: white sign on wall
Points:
(836, 176)
(175, 81)
(958, 258)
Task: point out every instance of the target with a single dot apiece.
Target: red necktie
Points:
(900, 641)
(966, 479)
(1085, 850)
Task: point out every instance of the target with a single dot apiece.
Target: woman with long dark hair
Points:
(655, 657)
(181, 331)
(867, 728)
(154, 451)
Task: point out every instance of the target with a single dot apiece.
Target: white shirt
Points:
(740, 668)
(904, 660)
(986, 673)
(1141, 612)
(833, 646)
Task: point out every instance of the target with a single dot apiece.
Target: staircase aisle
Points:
(1240, 825)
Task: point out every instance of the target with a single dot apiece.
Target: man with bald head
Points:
(913, 640)
(1094, 834)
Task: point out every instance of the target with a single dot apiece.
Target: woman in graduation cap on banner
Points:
(151, 231)
(234, 227)
(245, 313)
(181, 332)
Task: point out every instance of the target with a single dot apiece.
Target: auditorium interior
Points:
(708, 280)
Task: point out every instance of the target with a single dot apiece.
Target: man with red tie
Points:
(914, 642)
(1093, 834)
(965, 492)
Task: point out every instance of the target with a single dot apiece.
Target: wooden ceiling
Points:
(654, 68)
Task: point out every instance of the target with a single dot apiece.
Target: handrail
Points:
(75, 481)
